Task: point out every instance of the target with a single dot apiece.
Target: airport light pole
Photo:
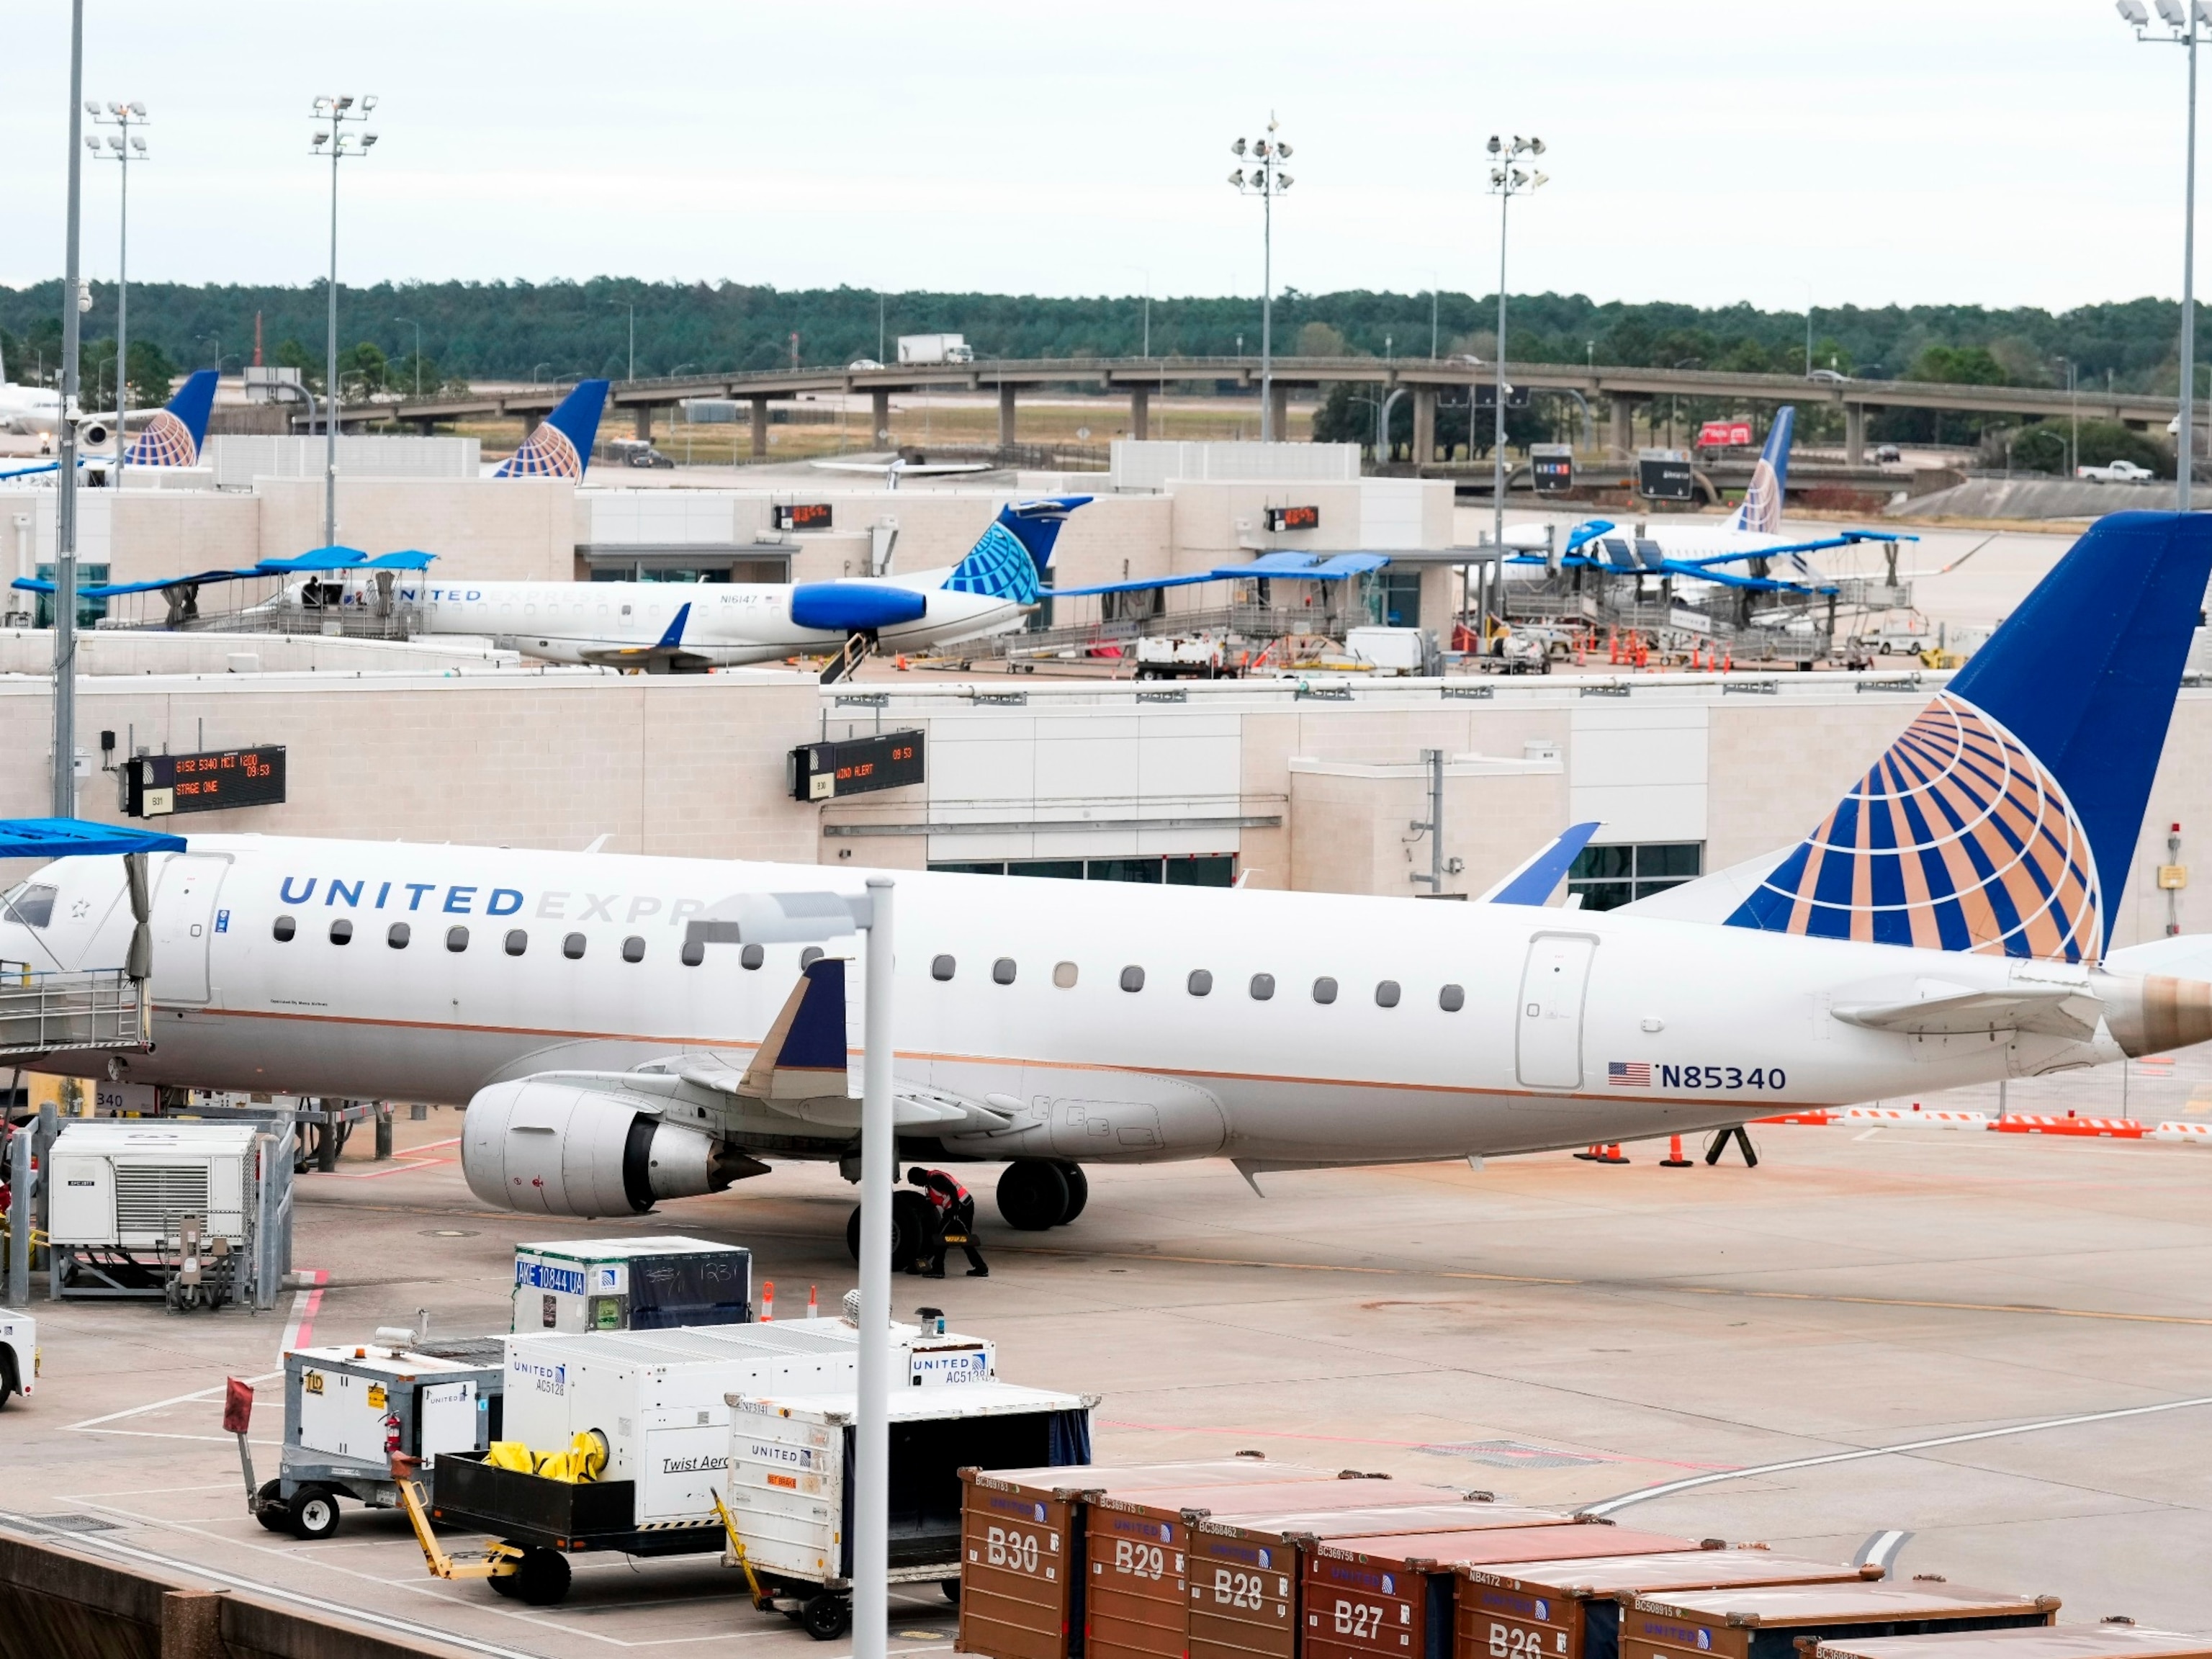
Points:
(1266, 181)
(336, 112)
(409, 322)
(124, 147)
(73, 301)
(630, 307)
(813, 918)
(2184, 28)
(1507, 179)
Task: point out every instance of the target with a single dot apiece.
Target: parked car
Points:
(1829, 377)
(1885, 454)
(636, 451)
(859, 363)
(2114, 473)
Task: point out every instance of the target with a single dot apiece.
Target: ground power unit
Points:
(143, 1209)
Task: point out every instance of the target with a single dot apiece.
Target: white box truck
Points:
(790, 1468)
(19, 1354)
(925, 349)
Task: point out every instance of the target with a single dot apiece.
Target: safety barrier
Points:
(2100, 1128)
(2186, 1134)
(1898, 1117)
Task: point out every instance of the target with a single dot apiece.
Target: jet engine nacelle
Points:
(556, 1148)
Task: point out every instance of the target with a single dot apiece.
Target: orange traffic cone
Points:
(1675, 1160)
(813, 1312)
(1612, 1154)
(767, 1301)
(1591, 1155)
(901, 662)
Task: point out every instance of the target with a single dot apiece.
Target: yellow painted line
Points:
(1610, 1284)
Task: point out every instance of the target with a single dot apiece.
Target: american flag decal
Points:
(1628, 1074)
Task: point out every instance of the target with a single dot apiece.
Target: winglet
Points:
(1533, 881)
(803, 1056)
(674, 636)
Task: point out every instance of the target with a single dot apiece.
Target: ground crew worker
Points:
(955, 1214)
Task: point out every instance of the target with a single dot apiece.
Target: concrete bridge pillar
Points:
(1424, 425)
(1278, 412)
(760, 428)
(1620, 441)
(1855, 434)
(1141, 412)
(879, 417)
(1005, 416)
(642, 422)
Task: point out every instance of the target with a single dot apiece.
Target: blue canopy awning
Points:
(410, 559)
(54, 838)
(1296, 567)
(319, 558)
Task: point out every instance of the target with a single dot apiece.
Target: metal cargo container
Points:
(657, 1283)
(790, 1459)
(1766, 1624)
(1029, 1605)
(1570, 1610)
(1391, 1598)
(1244, 1569)
(2041, 1642)
(1137, 1589)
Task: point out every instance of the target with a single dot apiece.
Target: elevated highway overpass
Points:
(1424, 379)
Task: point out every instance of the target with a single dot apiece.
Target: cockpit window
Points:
(31, 904)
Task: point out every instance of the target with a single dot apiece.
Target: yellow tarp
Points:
(586, 1457)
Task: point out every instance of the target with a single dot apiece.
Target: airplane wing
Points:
(668, 650)
(1531, 882)
(1844, 539)
(905, 469)
(1699, 569)
(1943, 1009)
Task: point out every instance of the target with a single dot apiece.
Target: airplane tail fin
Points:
(1762, 503)
(173, 435)
(2004, 820)
(1009, 558)
(561, 447)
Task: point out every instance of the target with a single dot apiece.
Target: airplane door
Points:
(185, 920)
(1547, 1046)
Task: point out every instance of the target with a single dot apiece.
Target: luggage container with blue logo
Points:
(1769, 1623)
(655, 1283)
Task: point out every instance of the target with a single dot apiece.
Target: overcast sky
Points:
(1888, 150)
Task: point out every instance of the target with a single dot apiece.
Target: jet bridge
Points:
(44, 1013)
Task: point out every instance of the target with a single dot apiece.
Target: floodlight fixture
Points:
(2133, 12)
(1237, 148)
(138, 144)
(1495, 144)
(138, 109)
(345, 100)
(1236, 178)
(1266, 180)
(1282, 152)
(320, 139)
(368, 140)
(92, 143)
(2170, 13)
(91, 107)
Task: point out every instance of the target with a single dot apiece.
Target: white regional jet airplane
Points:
(664, 626)
(1946, 924)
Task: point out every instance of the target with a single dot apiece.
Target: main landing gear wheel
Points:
(1078, 1191)
(826, 1617)
(1033, 1195)
(911, 1221)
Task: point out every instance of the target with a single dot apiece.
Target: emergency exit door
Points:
(186, 921)
(1547, 1046)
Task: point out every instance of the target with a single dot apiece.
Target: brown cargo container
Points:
(1570, 1609)
(1391, 1598)
(1768, 1624)
(2034, 1642)
(1022, 1555)
(1245, 1572)
(1136, 1595)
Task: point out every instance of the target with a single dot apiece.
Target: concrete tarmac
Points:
(1560, 1332)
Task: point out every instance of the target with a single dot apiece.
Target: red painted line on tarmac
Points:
(306, 1302)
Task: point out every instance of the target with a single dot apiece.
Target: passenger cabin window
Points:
(1324, 989)
(1063, 975)
(940, 968)
(573, 947)
(284, 928)
(34, 905)
(693, 953)
(1385, 994)
(398, 934)
(517, 941)
(752, 956)
(1201, 983)
(1263, 987)
(1002, 971)
(1132, 978)
(1452, 999)
(341, 932)
(457, 939)
(809, 957)
(633, 949)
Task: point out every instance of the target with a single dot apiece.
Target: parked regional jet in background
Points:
(561, 447)
(27, 409)
(687, 628)
(1947, 923)
(171, 435)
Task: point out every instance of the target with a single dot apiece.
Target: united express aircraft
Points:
(1949, 922)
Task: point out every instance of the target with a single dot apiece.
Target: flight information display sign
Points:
(802, 516)
(1293, 518)
(1551, 466)
(855, 766)
(158, 786)
(1665, 480)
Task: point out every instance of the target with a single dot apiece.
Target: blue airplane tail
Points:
(561, 447)
(1762, 503)
(173, 436)
(2004, 820)
(1009, 559)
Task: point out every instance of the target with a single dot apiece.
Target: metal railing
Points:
(45, 1013)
